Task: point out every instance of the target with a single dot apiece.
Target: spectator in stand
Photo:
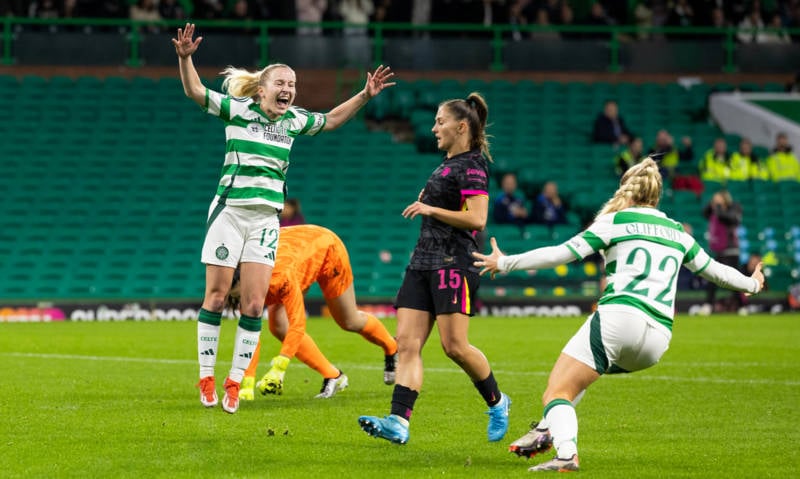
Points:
(643, 13)
(146, 11)
(740, 161)
(421, 15)
(241, 13)
(292, 214)
(672, 159)
(495, 12)
(719, 22)
(356, 12)
(715, 163)
(680, 15)
(751, 27)
(724, 217)
(782, 163)
(629, 156)
(171, 10)
(208, 9)
(310, 11)
(616, 10)
(609, 126)
(597, 17)
(509, 207)
(43, 9)
(567, 18)
(777, 33)
(543, 20)
(548, 208)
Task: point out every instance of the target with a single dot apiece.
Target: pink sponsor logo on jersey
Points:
(474, 172)
(446, 171)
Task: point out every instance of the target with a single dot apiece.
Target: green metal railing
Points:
(497, 35)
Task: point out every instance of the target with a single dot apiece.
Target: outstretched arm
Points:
(376, 82)
(539, 258)
(184, 47)
(731, 278)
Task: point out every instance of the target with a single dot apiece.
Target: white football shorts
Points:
(241, 234)
(618, 339)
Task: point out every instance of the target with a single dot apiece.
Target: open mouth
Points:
(283, 102)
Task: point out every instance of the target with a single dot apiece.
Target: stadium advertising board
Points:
(181, 311)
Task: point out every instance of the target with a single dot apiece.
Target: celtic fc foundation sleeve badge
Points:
(221, 252)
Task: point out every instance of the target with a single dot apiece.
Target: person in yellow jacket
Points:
(715, 164)
(629, 156)
(782, 163)
(741, 161)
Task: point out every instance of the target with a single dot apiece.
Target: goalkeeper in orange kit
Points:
(308, 254)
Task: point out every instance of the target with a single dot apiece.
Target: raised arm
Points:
(376, 82)
(539, 258)
(184, 47)
(472, 218)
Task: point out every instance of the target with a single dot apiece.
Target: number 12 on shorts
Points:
(270, 237)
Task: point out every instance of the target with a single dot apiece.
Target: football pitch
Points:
(118, 400)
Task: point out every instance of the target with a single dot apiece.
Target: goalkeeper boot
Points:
(247, 389)
(389, 368)
(390, 428)
(498, 418)
(208, 392)
(230, 402)
(537, 441)
(331, 386)
(558, 464)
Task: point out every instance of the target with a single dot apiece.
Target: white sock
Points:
(207, 346)
(560, 414)
(544, 424)
(401, 420)
(243, 349)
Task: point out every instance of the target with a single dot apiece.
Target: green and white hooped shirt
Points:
(644, 250)
(257, 148)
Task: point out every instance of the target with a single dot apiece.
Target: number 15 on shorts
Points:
(450, 279)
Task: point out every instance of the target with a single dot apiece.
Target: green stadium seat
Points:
(127, 194)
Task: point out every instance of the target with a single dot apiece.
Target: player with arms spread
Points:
(261, 124)
(632, 328)
(440, 282)
(311, 254)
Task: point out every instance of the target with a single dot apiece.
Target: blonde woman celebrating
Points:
(261, 124)
(632, 327)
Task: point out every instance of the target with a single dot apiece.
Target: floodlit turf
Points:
(118, 400)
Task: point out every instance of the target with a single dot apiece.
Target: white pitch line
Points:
(348, 366)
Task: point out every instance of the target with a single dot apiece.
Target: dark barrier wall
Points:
(679, 56)
(404, 46)
(556, 55)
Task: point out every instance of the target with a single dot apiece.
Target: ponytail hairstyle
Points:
(474, 111)
(640, 185)
(244, 83)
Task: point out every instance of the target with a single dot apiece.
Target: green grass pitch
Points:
(118, 400)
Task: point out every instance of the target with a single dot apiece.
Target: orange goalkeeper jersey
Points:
(306, 254)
